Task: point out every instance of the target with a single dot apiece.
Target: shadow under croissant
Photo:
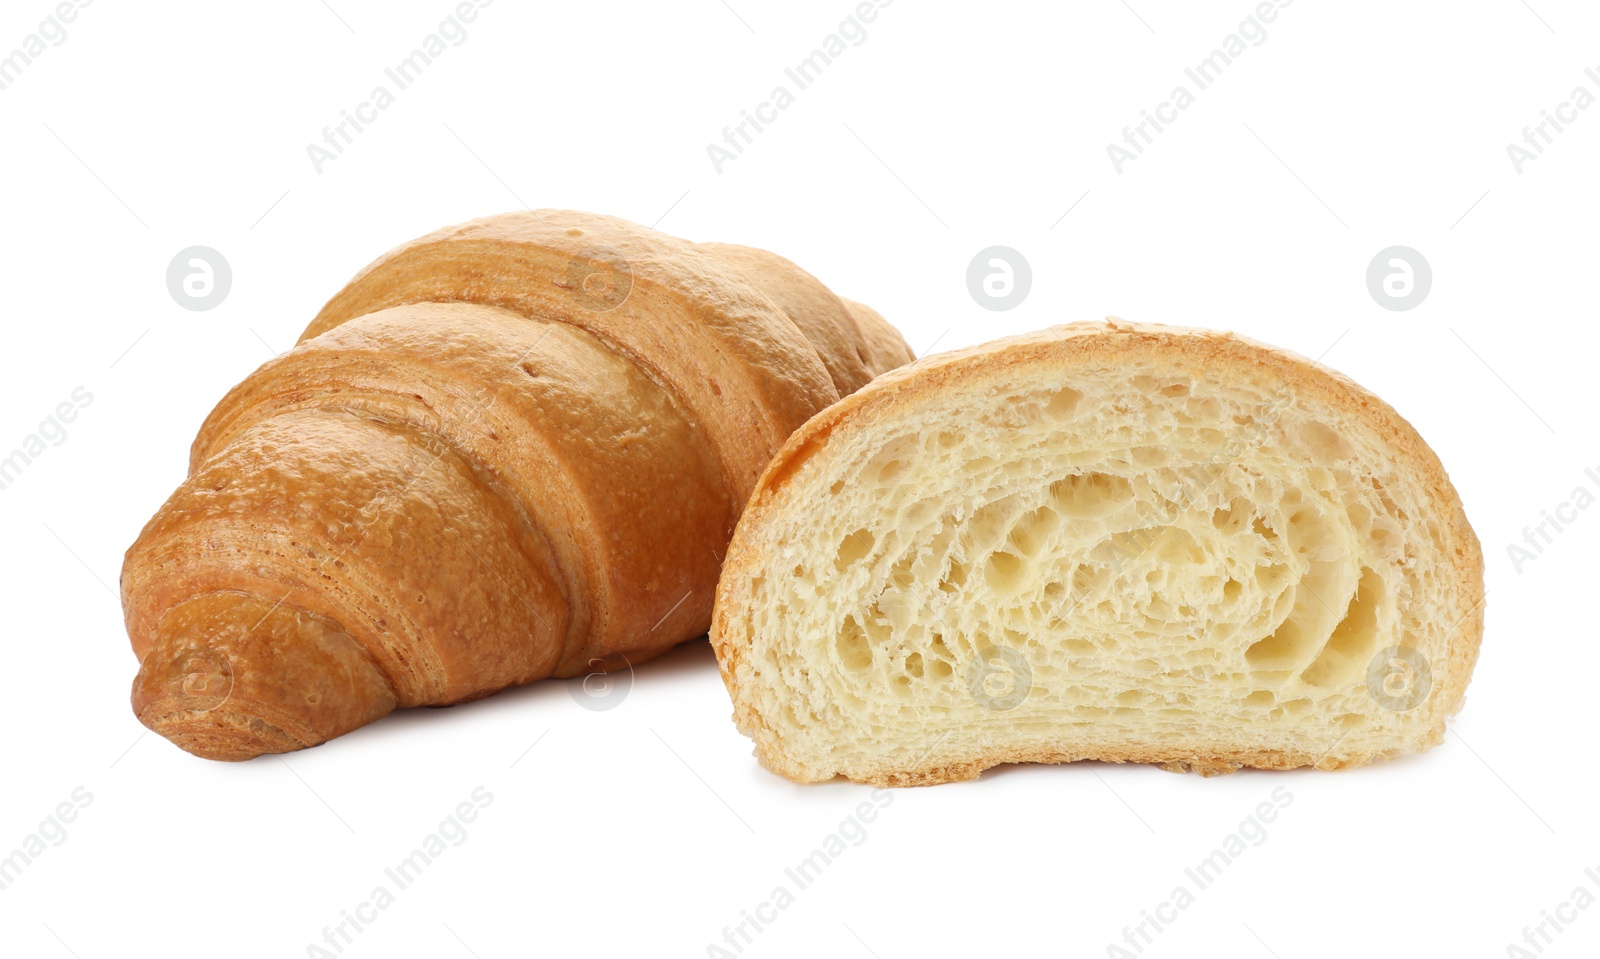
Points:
(204, 702)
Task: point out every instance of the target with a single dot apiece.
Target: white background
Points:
(646, 829)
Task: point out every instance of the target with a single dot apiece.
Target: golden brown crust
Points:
(478, 469)
(700, 325)
(548, 411)
(1223, 354)
(825, 319)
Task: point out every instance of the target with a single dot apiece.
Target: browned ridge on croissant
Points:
(508, 450)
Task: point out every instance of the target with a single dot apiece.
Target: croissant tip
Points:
(221, 734)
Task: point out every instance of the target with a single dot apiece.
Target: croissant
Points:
(1121, 542)
(509, 450)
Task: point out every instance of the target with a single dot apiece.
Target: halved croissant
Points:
(1102, 541)
(509, 450)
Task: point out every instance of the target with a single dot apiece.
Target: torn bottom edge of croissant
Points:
(934, 768)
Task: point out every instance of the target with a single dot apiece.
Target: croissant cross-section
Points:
(1101, 541)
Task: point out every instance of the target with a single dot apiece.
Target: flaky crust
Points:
(900, 393)
(512, 449)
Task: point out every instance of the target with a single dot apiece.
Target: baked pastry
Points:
(509, 450)
(1100, 541)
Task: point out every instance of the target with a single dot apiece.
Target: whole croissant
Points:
(509, 450)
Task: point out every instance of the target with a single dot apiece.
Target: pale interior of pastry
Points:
(1149, 559)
